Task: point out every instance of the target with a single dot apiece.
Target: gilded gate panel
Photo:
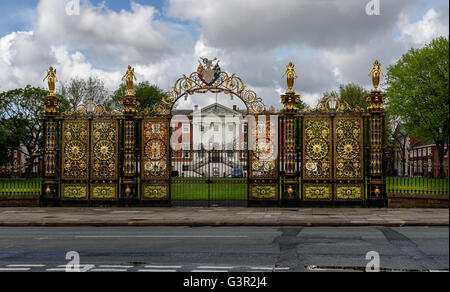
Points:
(155, 149)
(346, 192)
(316, 192)
(104, 192)
(155, 192)
(75, 192)
(264, 151)
(104, 150)
(265, 192)
(348, 148)
(75, 149)
(317, 148)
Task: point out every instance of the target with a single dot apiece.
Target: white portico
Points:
(217, 127)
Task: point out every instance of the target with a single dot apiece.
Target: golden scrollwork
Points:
(90, 108)
(334, 104)
(222, 83)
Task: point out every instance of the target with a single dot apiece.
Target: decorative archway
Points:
(210, 78)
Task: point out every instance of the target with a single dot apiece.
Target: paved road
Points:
(233, 249)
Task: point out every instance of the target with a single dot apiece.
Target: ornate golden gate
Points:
(331, 154)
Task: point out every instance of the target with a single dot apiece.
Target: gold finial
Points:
(375, 72)
(52, 79)
(129, 77)
(291, 76)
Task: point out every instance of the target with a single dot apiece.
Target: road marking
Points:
(209, 271)
(83, 268)
(115, 267)
(14, 269)
(270, 269)
(108, 270)
(158, 271)
(26, 266)
(161, 236)
(162, 267)
(212, 267)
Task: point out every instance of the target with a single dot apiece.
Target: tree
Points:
(7, 142)
(417, 91)
(301, 105)
(78, 91)
(354, 95)
(147, 95)
(21, 114)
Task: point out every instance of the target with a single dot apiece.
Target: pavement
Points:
(199, 216)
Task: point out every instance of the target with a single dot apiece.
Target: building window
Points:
(230, 128)
(216, 128)
(230, 154)
(201, 155)
(245, 129)
(186, 155)
(186, 128)
(185, 168)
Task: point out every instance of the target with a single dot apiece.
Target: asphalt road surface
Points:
(223, 249)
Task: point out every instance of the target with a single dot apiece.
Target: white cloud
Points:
(424, 30)
(331, 42)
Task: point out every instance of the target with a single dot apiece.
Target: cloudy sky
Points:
(331, 42)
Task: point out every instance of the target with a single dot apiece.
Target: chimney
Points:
(195, 108)
(235, 108)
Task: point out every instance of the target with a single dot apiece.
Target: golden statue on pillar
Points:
(376, 72)
(291, 76)
(129, 77)
(52, 79)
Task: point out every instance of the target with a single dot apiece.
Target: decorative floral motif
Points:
(263, 158)
(317, 192)
(75, 149)
(317, 148)
(155, 158)
(348, 158)
(74, 192)
(104, 154)
(103, 193)
(263, 192)
(156, 193)
(348, 193)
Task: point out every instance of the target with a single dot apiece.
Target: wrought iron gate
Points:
(90, 156)
(211, 178)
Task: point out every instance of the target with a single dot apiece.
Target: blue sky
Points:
(330, 41)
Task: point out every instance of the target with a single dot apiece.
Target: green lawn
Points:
(219, 190)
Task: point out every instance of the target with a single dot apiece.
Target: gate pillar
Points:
(129, 185)
(290, 183)
(50, 188)
(376, 98)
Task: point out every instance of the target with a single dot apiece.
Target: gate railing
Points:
(16, 189)
(417, 186)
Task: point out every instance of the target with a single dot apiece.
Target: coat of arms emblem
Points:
(208, 72)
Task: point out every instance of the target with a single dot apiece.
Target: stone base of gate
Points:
(377, 203)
